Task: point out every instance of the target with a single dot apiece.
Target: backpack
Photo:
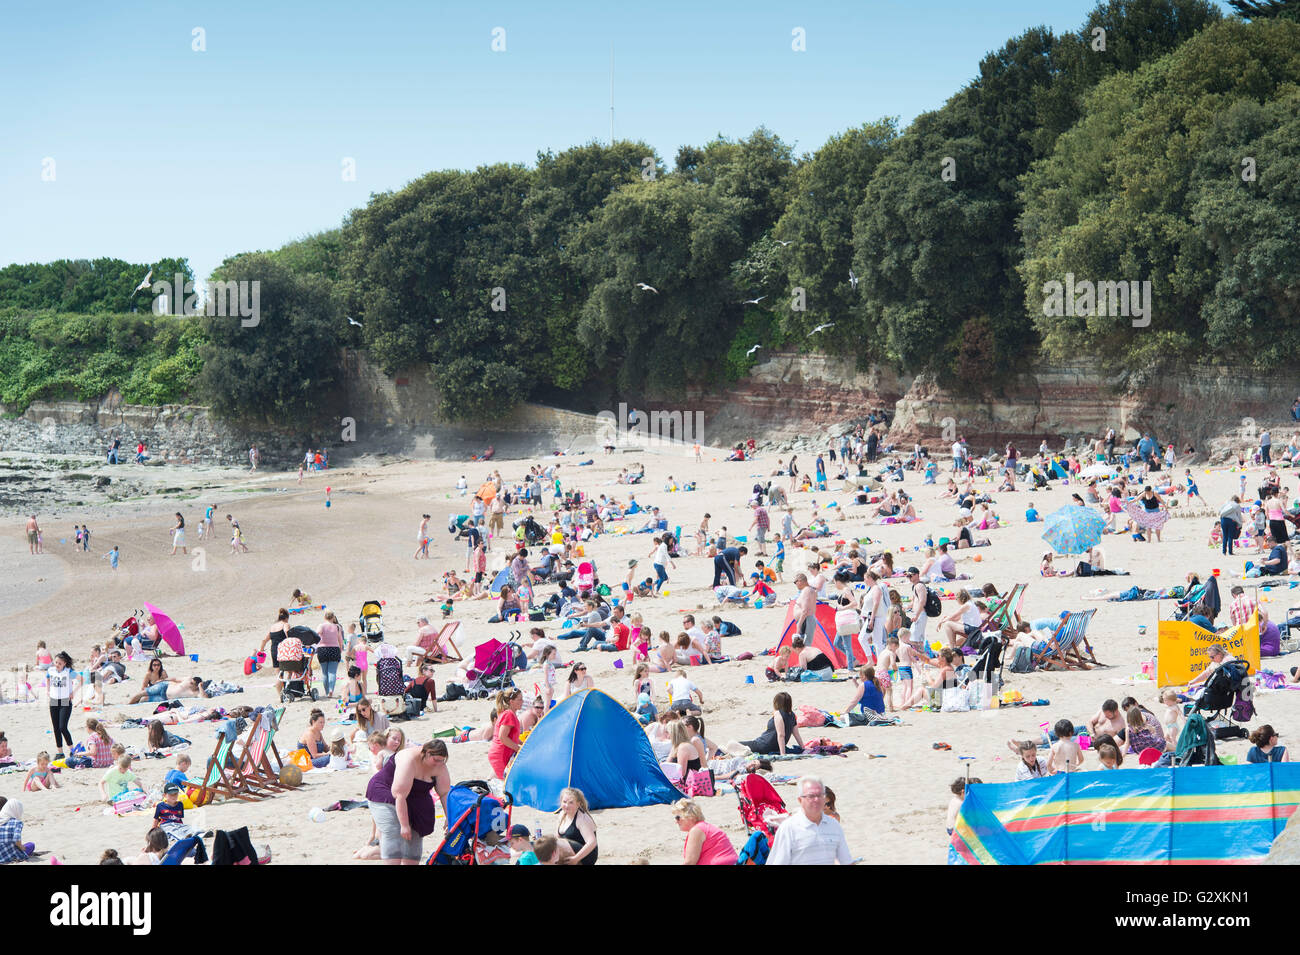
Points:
(1023, 661)
(933, 606)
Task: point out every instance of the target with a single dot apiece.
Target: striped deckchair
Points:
(1070, 639)
(217, 780)
(258, 769)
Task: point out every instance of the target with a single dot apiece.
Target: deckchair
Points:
(432, 647)
(1070, 635)
(250, 771)
(217, 782)
(261, 770)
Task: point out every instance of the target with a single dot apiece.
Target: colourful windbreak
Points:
(1195, 815)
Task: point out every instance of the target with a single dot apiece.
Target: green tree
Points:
(1182, 174)
(284, 370)
(817, 223)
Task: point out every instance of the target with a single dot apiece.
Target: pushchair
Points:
(129, 629)
(494, 664)
(533, 532)
(371, 621)
(1230, 689)
(477, 827)
(757, 798)
(293, 660)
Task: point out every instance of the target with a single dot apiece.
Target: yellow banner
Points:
(1184, 648)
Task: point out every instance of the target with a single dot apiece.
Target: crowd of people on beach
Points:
(889, 637)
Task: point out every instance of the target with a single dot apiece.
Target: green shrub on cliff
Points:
(46, 355)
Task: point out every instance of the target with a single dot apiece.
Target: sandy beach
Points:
(361, 548)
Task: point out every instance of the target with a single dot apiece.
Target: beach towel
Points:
(1144, 519)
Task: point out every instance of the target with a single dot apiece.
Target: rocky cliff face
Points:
(184, 434)
(791, 397)
(787, 399)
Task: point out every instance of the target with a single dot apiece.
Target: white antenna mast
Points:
(611, 94)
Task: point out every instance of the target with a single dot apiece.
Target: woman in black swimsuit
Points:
(774, 741)
(577, 827)
(686, 753)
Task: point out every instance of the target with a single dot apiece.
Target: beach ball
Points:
(666, 592)
(290, 775)
(978, 558)
(316, 814)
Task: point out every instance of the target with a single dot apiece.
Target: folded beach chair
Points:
(1070, 640)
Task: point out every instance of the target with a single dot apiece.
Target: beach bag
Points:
(393, 705)
(933, 606)
(955, 699)
(389, 674)
(699, 782)
(289, 651)
(755, 849)
(811, 716)
(1243, 710)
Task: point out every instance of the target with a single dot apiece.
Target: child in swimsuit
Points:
(354, 689)
(40, 777)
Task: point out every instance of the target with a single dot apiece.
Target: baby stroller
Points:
(494, 662)
(129, 629)
(1229, 688)
(371, 621)
(757, 797)
(294, 664)
(477, 824)
(533, 531)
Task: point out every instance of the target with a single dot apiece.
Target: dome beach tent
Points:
(589, 742)
(823, 637)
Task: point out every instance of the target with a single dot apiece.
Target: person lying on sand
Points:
(176, 690)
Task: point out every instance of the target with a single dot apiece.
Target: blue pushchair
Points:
(474, 815)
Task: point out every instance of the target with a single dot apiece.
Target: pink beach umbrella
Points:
(167, 629)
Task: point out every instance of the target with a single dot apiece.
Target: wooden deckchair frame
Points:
(216, 782)
(1072, 631)
(436, 641)
(263, 771)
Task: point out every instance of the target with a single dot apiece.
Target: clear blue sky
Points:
(160, 150)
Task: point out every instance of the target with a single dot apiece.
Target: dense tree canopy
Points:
(1157, 142)
(1185, 174)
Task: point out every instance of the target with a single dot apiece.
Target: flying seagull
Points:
(752, 350)
(647, 288)
(784, 242)
(144, 284)
(753, 301)
(821, 328)
(353, 321)
(853, 279)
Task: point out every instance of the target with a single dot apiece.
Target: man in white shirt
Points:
(956, 456)
(809, 836)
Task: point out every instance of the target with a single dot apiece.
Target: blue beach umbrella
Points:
(1073, 529)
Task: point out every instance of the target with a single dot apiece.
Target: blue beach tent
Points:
(589, 742)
